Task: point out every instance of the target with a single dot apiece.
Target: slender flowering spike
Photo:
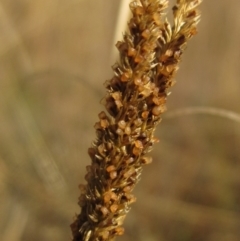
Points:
(136, 98)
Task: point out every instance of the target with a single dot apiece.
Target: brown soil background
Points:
(54, 58)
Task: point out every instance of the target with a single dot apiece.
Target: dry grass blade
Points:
(227, 114)
(61, 73)
(45, 164)
(120, 25)
(190, 212)
(40, 155)
(16, 224)
(14, 38)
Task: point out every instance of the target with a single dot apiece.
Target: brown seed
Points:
(122, 124)
(116, 95)
(130, 160)
(128, 188)
(170, 68)
(111, 168)
(105, 235)
(136, 151)
(113, 175)
(114, 83)
(172, 82)
(145, 107)
(158, 100)
(91, 152)
(125, 77)
(119, 231)
(127, 130)
(156, 18)
(132, 52)
(130, 197)
(156, 91)
(114, 208)
(82, 188)
(163, 58)
(191, 14)
(145, 114)
(139, 10)
(97, 126)
(146, 79)
(102, 115)
(104, 123)
(109, 145)
(113, 196)
(104, 210)
(158, 109)
(118, 104)
(152, 85)
(82, 200)
(147, 47)
(89, 168)
(107, 197)
(119, 132)
(138, 122)
(146, 160)
(145, 91)
(137, 81)
(193, 32)
(138, 144)
(116, 159)
(110, 108)
(139, 58)
(88, 176)
(154, 140)
(146, 33)
(119, 44)
(169, 52)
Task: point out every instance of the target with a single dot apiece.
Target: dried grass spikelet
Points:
(137, 93)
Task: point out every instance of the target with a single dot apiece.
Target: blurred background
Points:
(54, 58)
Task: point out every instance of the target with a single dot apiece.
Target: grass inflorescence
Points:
(136, 98)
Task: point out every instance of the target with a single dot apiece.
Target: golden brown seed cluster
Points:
(136, 98)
